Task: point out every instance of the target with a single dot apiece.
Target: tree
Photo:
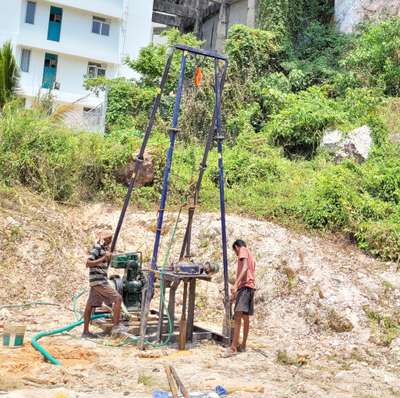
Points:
(9, 73)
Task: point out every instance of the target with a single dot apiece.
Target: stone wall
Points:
(349, 13)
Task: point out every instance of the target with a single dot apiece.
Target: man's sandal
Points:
(228, 353)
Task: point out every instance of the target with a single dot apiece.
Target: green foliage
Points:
(317, 52)
(299, 125)
(151, 60)
(252, 50)
(380, 238)
(127, 102)
(9, 73)
(374, 57)
(289, 17)
(39, 153)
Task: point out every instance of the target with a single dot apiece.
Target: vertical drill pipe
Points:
(220, 139)
(164, 192)
(203, 166)
(167, 169)
(139, 158)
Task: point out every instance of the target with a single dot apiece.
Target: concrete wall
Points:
(10, 15)
(237, 14)
(137, 32)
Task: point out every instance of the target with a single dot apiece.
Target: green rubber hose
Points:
(66, 328)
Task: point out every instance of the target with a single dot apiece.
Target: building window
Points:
(96, 70)
(101, 26)
(30, 12)
(25, 59)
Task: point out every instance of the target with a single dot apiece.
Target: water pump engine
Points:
(131, 284)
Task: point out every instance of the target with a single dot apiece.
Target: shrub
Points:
(38, 152)
(380, 238)
(318, 51)
(127, 102)
(299, 125)
(151, 60)
(252, 51)
(9, 73)
(374, 57)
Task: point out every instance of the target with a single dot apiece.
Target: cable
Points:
(29, 304)
(77, 314)
(162, 291)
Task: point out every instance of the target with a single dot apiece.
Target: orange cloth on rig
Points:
(198, 76)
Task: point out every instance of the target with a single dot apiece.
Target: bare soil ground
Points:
(326, 325)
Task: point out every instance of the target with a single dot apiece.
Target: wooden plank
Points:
(182, 388)
(171, 300)
(183, 322)
(191, 306)
(161, 313)
(171, 381)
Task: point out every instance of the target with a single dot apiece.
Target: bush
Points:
(380, 238)
(128, 103)
(38, 152)
(151, 60)
(299, 125)
(336, 199)
(317, 53)
(374, 57)
(252, 51)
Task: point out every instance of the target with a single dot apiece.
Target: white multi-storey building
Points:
(59, 43)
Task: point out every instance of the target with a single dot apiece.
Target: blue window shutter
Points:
(25, 59)
(30, 12)
(96, 26)
(105, 29)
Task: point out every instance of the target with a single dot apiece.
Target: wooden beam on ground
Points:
(171, 381)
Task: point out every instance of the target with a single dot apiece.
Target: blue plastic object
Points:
(160, 394)
(221, 391)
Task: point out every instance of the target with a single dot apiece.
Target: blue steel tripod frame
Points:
(214, 132)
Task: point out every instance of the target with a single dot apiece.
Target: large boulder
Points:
(146, 172)
(350, 13)
(356, 145)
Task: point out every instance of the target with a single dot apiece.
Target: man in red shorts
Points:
(243, 295)
(100, 289)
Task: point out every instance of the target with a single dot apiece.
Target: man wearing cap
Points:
(100, 289)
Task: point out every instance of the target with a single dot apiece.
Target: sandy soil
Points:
(327, 317)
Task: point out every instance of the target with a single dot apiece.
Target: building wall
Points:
(237, 14)
(10, 14)
(130, 29)
(76, 35)
(137, 32)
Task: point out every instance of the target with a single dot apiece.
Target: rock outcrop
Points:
(349, 13)
(146, 172)
(355, 146)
